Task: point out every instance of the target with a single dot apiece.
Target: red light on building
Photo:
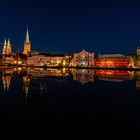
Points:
(122, 63)
(110, 63)
(99, 64)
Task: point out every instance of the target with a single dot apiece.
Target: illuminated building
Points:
(112, 60)
(138, 57)
(137, 75)
(83, 59)
(131, 62)
(4, 48)
(41, 60)
(138, 51)
(6, 52)
(7, 48)
(27, 45)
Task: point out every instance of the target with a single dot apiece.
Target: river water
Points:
(76, 103)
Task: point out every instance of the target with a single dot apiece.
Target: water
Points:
(84, 102)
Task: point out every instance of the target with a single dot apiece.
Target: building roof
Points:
(112, 56)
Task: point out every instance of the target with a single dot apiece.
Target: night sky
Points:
(68, 26)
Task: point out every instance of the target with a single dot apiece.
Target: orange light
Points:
(19, 62)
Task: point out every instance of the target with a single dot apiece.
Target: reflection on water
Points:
(82, 75)
(97, 98)
(32, 86)
(6, 82)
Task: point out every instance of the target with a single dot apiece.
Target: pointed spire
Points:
(5, 42)
(27, 37)
(8, 44)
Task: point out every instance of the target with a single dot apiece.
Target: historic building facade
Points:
(42, 60)
(83, 59)
(112, 60)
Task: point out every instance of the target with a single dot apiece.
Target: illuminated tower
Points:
(8, 50)
(138, 51)
(27, 44)
(4, 47)
(138, 57)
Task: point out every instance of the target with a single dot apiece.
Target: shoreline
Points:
(71, 67)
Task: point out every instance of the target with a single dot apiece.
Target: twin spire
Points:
(7, 43)
(7, 47)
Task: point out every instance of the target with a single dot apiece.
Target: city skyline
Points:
(69, 27)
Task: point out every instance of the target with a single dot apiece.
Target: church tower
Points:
(4, 47)
(27, 44)
(138, 51)
(8, 48)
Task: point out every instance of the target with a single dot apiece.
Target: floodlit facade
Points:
(41, 60)
(112, 60)
(138, 57)
(83, 59)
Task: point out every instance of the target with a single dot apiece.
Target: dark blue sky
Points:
(68, 26)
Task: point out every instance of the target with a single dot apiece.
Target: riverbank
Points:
(71, 67)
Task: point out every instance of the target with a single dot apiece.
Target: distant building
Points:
(41, 60)
(138, 51)
(138, 57)
(112, 60)
(27, 44)
(7, 48)
(7, 58)
(83, 59)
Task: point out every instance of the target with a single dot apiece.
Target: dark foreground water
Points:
(72, 104)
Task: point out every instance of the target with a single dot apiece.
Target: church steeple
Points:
(27, 44)
(4, 47)
(5, 43)
(27, 37)
(8, 44)
(8, 47)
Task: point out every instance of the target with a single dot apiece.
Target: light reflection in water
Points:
(82, 75)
